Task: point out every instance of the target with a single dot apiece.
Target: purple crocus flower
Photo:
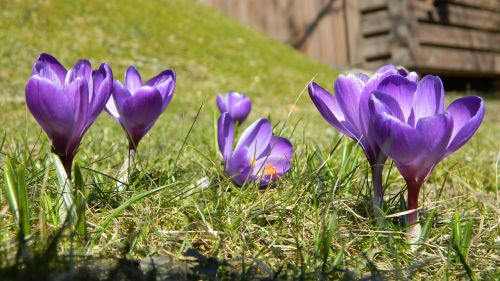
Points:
(258, 155)
(236, 104)
(412, 128)
(65, 103)
(136, 106)
(348, 112)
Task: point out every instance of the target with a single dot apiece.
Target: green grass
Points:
(315, 223)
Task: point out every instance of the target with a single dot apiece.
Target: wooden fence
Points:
(448, 37)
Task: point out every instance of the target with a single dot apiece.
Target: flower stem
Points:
(378, 189)
(63, 166)
(414, 230)
(130, 161)
(126, 169)
(67, 162)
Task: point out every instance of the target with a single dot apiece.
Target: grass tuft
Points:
(179, 216)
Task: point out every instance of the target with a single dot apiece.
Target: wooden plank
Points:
(424, 10)
(375, 47)
(326, 35)
(353, 34)
(283, 19)
(463, 16)
(367, 5)
(445, 59)
(492, 5)
(338, 24)
(310, 10)
(473, 18)
(457, 37)
(376, 22)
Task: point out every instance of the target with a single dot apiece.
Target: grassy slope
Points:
(211, 53)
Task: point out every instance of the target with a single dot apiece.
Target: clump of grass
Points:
(314, 223)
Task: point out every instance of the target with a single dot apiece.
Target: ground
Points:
(315, 223)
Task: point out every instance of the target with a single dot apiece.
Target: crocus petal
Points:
(82, 69)
(103, 87)
(402, 72)
(328, 107)
(363, 77)
(373, 82)
(111, 109)
(412, 76)
(436, 132)
(429, 98)
(273, 164)
(232, 98)
(269, 168)
(165, 84)
(256, 137)
(467, 114)
(139, 112)
(77, 93)
(348, 92)
(49, 67)
(401, 90)
(281, 147)
(100, 74)
(397, 140)
(100, 98)
(221, 103)
(383, 102)
(389, 68)
(281, 164)
(143, 108)
(225, 135)
(133, 80)
(236, 104)
(370, 86)
(239, 165)
(241, 108)
(163, 76)
(120, 94)
(51, 109)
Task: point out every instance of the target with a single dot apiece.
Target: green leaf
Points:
(66, 210)
(466, 239)
(10, 190)
(22, 197)
(14, 188)
(80, 202)
(427, 226)
(457, 229)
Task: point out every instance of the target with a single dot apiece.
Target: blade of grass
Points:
(188, 133)
(426, 230)
(17, 196)
(22, 197)
(9, 188)
(116, 212)
(466, 239)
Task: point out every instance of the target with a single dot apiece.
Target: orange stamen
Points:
(270, 170)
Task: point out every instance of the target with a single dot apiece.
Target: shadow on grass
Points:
(191, 266)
